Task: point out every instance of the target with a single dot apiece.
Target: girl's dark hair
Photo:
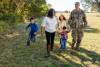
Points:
(64, 27)
(62, 16)
(51, 13)
(32, 18)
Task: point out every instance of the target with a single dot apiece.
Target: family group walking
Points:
(75, 24)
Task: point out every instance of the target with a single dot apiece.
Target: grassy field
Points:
(14, 53)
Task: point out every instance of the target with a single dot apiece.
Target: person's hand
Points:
(85, 24)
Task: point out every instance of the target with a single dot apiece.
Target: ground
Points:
(14, 53)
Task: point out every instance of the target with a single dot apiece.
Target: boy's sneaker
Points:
(28, 43)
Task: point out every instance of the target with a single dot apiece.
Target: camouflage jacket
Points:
(77, 20)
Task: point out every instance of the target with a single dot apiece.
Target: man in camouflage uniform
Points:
(77, 22)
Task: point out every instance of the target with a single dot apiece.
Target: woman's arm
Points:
(43, 26)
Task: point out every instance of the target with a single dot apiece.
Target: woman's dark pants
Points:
(50, 41)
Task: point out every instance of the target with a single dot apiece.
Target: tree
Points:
(91, 3)
(14, 11)
(23, 7)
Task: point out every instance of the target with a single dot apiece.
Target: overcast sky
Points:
(62, 5)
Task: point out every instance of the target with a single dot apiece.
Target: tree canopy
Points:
(14, 11)
(95, 4)
(21, 8)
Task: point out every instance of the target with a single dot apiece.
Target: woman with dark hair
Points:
(50, 23)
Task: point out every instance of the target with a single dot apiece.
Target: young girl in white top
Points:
(50, 24)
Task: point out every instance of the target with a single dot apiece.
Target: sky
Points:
(62, 5)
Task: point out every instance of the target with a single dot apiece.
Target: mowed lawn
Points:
(14, 53)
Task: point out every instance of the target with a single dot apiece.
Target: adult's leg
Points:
(48, 42)
(52, 40)
(79, 38)
(74, 37)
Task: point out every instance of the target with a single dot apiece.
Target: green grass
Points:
(14, 53)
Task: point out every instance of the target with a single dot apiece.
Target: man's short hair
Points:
(77, 3)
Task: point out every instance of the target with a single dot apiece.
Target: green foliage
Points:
(9, 20)
(14, 11)
(3, 26)
(23, 7)
(95, 4)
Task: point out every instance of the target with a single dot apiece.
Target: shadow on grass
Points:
(70, 63)
(67, 62)
(95, 56)
(88, 29)
(90, 56)
(84, 55)
(38, 50)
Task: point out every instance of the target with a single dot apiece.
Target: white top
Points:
(50, 24)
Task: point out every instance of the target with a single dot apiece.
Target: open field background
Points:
(14, 53)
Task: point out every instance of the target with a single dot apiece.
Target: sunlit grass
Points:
(14, 53)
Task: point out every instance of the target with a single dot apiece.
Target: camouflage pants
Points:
(77, 35)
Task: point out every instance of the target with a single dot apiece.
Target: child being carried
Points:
(64, 37)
